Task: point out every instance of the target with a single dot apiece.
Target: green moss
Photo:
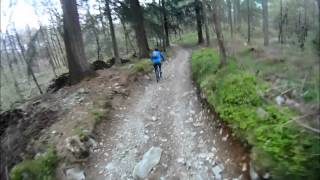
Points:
(41, 168)
(277, 145)
(97, 115)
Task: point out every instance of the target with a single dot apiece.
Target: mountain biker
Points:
(156, 58)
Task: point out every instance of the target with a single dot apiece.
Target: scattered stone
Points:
(225, 138)
(180, 160)
(193, 134)
(146, 77)
(202, 155)
(92, 143)
(163, 140)
(154, 118)
(253, 174)
(217, 170)
(279, 100)
(244, 167)
(149, 160)
(213, 149)
(146, 137)
(75, 174)
(266, 176)
(109, 167)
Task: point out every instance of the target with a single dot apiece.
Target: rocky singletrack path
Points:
(169, 117)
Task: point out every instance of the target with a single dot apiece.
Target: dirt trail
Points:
(168, 115)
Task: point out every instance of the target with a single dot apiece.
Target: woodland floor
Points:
(169, 115)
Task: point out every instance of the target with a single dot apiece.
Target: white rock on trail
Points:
(75, 174)
(253, 174)
(217, 170)
(149, 160)
(280, 100)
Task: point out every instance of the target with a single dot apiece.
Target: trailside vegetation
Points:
(277, 144)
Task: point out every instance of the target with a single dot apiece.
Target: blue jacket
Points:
(156, 57)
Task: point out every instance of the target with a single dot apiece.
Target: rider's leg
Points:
(155, 67)
(160, 70)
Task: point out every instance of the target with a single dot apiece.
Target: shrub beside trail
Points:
(278, 145)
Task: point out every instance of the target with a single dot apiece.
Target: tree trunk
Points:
(280, 37)
(162, 36)
(249, 21)
(48, 52)
(205, 19)
(127, 36)
(15, 82)
(16, 55)
(104, 29)
(230, 17)
(237, 15)
(217, 28)
(265, 22)
(113, 35)
(60, 46)
(29, 55)
(78, 66)
(199, 18)
(138, 26)
(95, 31)
(166, 24)
(318, 1)
(55, 51)
(51, 49)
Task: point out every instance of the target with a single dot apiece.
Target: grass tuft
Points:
(41, 168)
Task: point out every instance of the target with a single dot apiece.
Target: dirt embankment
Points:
(51, 119)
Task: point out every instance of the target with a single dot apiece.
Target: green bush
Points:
(142, 66)
(278, 146)
(41, 168)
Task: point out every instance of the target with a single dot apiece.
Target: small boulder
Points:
(77, 147)
(149, 160)
(217, 170)
(279, 100)
(75, 174)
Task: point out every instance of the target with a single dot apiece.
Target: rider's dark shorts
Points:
(157, 64)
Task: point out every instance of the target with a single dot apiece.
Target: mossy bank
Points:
(278, 146)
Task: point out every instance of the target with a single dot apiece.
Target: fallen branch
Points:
(304, 125)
